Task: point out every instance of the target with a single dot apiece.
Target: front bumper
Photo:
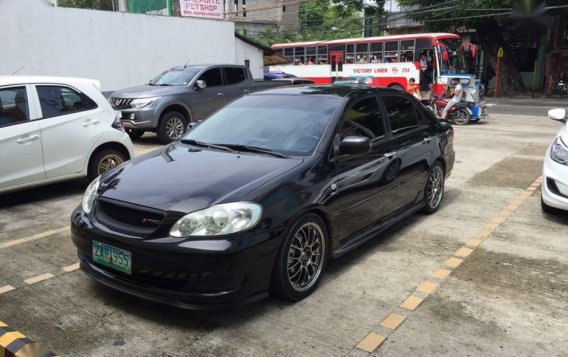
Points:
(554, 183)
(223, 274)
(144, 118)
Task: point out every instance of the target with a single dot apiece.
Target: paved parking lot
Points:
(486, 275)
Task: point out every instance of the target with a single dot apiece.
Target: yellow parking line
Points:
(33, 237)
(373, 341)
(71, 267)
(37, 279)
(6, 288)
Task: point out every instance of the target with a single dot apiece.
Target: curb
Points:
(14, 344)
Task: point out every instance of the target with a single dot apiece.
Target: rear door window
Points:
(58, 100)
(13, 106)
(401, 114)
(212, 77)
(235, 75)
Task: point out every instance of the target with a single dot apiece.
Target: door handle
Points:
(246, 90)
(95, 121)
(87, 122)
(220, 94)
(27, 139)
(390, 155)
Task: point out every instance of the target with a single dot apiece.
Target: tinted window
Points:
(292, 125)
(13, 106)
(55, 101)
(212, 77)
(235, 75)
(401, 114)
(363, 119)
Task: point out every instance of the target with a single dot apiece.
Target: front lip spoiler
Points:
(101, 277)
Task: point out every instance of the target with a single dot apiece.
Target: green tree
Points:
(87, 4)
(489, 18)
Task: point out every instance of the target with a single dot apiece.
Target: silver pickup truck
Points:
(184, 94)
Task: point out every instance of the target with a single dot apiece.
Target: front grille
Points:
(120, 103)
(127, 217)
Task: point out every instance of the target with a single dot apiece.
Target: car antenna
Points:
(19, 69)
(189, 59)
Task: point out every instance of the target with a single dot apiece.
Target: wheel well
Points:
(325, 219)
(443, 162)
(176, 108)
(116, 146)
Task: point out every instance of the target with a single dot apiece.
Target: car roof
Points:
(9, 80)
(328, 90)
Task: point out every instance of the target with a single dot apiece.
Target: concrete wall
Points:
(119, 49)
(245, 51)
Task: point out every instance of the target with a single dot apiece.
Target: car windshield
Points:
(175, 77)
(284, 124)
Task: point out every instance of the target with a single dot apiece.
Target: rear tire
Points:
(104, 161)
(135, 133)
(461, 117)
(171, 127)
(434, 188)
(301, 260)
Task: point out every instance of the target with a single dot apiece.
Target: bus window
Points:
(407, 50)
(422, 44)
(289, 53)
(362, 52)
(299, 55)
(349, 53)
(322, 55)
(376, 52)
(391, 51)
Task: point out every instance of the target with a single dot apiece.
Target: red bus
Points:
(387, 61)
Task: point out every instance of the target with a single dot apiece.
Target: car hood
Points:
(149, 91)
(184, 178)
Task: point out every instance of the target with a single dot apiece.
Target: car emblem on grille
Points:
(150, 221)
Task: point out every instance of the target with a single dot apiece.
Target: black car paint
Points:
(356, 195)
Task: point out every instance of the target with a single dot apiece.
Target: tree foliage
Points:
(88, 4)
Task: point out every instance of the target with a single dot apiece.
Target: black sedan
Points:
(257, 198)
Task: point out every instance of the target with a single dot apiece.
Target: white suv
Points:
(53, 129)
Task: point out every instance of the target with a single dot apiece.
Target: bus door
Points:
(336, 60)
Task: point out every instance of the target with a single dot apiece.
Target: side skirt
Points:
(361, 237)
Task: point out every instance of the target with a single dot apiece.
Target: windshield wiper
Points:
(255, 149)
(207, 145)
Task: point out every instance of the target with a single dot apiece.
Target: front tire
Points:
(434, 189)
(171, 127)
(104, 161)
(301, 260)
(461, 117)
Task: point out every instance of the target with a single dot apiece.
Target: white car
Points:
(555, 169)
(53, 129)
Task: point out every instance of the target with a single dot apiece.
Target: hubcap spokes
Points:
(305, 256)
(174, 128)
(435, 187)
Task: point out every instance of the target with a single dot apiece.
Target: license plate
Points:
(112, 257)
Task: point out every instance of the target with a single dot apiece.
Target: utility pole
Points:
(123, 5)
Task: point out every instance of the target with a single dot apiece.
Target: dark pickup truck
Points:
(184, 94)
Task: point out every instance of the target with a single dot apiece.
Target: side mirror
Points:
(355, 145)
(200, 84)
(192, 125)
(557, 114)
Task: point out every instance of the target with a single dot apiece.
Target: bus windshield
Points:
(456, 60)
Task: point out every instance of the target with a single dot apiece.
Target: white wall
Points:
(119, 49)
(245, 51)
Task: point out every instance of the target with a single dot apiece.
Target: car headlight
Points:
(559, 151)
(142, 102)
(218, 220)
(90, 195)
